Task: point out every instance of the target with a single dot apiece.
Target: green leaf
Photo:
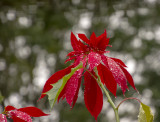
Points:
(58, 87)
(145, 114)
(1, 97)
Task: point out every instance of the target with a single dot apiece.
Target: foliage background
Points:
(35, 38)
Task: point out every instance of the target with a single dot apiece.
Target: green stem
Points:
(106, 93)
(128, 99)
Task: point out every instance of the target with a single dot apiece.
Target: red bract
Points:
(21, 114)
(91, 52)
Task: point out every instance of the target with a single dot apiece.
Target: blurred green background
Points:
(35, 38)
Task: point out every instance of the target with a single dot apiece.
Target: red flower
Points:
(91, 53)
(21, 114)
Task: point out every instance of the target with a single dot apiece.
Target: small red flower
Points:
(110, 70)
(21, 114)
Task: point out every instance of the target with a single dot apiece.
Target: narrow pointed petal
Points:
(53, 79)
(107, 78)
(72, 86)
(94, 60)
(129, 77)
(3, 118)
(104, 60)
(118, 61)
(74, 42)
(33, 111)
(9, 108)
(101, 37)
(69, 59)
(73, 82)
(19, 116)
(93, 96)
(84, 38)
(93, 40)
(76, 95)
(63, 93)
(118, 74)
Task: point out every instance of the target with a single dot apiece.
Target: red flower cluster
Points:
(110, 70)
(21, 114)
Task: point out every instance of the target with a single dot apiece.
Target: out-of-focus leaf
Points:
(1, 97)
(145, 114)
(58, 87)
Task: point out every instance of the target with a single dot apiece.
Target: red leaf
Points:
(94, 60)
(102, 41)
(72, 86)
(74, 42)
(33, 111)
(93, 96)
(129, 77)
(118, 74)
(118, 61)
(69, 59)
(84, 38)
(107, 78)
(19, 116)
(53, 79)
(104, 60)
(3, 118)
(9, 108)
(76, 95)
(93, 40)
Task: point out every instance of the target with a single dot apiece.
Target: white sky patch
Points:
(85, 21)
(146, 34)
(11, 15)
(76, 2)
(24, 21)
(136, 43)
(2, 64)
(143, 11)
(41, 72)
(21, 50)
(131, 64)
(157, 35)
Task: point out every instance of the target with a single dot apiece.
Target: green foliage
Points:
(58, 87)
(1, 97)
(145, 114)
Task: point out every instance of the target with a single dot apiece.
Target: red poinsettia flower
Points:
(21, 114)
(91, 52)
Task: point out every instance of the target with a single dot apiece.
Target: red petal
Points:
(102, 41)
(107, 78)
(118, 61)
(84, 38)
(118, 74)
(101, 37)
(63, 93)
(3, 118)
(93, 39)
(93, 96)
(69, 59)
(104, 60)
(53, 79)
(76, 95)
(72, 86)
(9, 108)
(129, 77)
(33, 111)
(19, 116)
(74, 42)
(71, 54)
(94, 60)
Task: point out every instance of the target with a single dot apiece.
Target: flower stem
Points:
(106, 93)
(128, 99)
